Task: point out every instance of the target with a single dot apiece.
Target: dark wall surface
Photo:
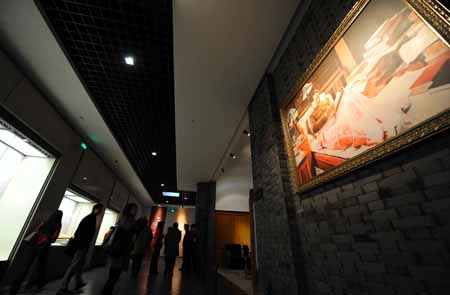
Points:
(384, 229)
(205, 221)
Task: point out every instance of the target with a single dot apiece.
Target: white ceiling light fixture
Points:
(162, 185)
(129, 60)
(154, 154)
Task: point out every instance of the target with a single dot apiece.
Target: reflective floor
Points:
(180, 284)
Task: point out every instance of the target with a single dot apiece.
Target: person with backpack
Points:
(78, 248)
(120, 245)
(38, 244)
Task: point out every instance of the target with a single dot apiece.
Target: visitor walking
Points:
(187, 250)
(37, 245)
(141, 244)
(171, 250)
(78, 247)
(157, 245)
(120, 245)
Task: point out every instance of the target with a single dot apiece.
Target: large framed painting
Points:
(380, 84)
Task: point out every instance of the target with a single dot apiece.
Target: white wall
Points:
(233, 185)
(109, 219)
(19, 198)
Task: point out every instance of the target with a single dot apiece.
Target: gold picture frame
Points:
(437, 18)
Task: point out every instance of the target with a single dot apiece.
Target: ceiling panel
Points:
(136, 102)
(221, 51)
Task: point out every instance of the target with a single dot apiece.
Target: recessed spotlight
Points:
(246, 132)
(233, 156)
(154, 154)
(129, 60)
(162, 184)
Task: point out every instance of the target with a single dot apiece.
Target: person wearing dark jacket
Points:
(157, 245)
(187, 250)
(120, 246)
(141, 244)
(37, 248)
(81, 242)
(171, 250)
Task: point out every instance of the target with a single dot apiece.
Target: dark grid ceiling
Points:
(137, 102)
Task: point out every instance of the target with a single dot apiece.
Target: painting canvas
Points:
(387, 73)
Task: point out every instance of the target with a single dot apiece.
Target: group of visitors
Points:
(129, 240)
(171, 250)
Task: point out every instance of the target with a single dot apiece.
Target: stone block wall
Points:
(384, 229)
(275, 253)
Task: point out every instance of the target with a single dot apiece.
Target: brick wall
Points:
(384, 229)
(273, 235)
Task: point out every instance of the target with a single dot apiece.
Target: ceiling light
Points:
(162, 184)
(129, 60)
(167, 202)
(233, 156)
(154, 154)
(246, 132)
(85, 178)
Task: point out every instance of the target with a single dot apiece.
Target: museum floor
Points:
(156, 285)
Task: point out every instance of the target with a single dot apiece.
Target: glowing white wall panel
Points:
(19, 197)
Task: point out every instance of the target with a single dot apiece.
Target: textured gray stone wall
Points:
(384, 229)
(275, 256)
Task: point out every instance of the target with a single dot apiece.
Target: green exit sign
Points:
(84, 146)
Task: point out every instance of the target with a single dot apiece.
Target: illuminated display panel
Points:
(24, 168)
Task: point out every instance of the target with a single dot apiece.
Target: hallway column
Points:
(205, 220)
